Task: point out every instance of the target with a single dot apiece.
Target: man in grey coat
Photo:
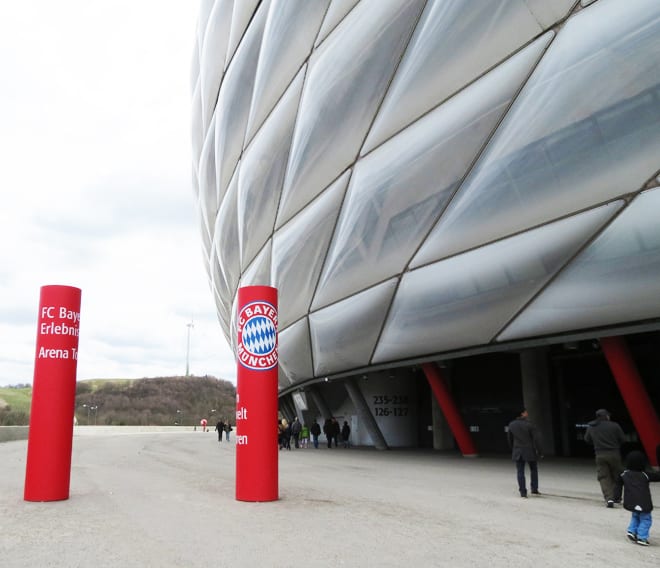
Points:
(607, 438)
(525, 444)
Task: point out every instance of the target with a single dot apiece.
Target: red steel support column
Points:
(452, 415)
(634, 394)
(50, 438)
(256, 395)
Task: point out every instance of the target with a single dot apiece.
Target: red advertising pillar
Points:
(48, 469)
(450, 410)
(256, 395)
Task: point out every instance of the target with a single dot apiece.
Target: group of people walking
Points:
(223, 427)
(616, 480)
(336, 434)
(286, 432)
(301, 433)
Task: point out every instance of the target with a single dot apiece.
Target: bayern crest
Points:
(257, 336)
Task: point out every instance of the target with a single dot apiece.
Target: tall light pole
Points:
(190, 325)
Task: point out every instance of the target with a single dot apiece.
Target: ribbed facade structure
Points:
(428, 179)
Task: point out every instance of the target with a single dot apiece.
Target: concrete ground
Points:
(166, 499)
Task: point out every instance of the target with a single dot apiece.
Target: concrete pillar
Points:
(288, 408)
(438, 384)
(364, 413)
(319, 402)
(442, 436)
(534, 372)
(443, 439)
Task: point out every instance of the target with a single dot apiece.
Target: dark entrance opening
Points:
(488, 391)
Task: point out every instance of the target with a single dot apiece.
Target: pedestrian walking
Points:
(606, 436)
(304, 436)
(220, 428)
(525, 444)
(296, 428)
(637, 496)
(335, 430)
(346, 434)
(315, 431)
(328, 431)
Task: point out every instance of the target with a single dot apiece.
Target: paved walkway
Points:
(166, 499)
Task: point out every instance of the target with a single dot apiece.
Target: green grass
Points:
(95, 384)
(18, 399)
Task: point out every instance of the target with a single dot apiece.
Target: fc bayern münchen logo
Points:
(257, 336)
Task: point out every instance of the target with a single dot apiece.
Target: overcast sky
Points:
(96, 187)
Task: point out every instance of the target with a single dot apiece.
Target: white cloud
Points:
(97, 194)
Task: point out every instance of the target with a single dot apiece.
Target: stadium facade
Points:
(458, 201)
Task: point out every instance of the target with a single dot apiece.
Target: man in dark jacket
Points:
(315, 431)
(606, 437)
(220, 428)
(525, 444)
(296, 427)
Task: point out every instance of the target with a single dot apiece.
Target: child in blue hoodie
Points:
(637, 496)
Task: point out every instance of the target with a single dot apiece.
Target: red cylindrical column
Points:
(449, 409)
(48, 469)
(634, 394)
(256, 395)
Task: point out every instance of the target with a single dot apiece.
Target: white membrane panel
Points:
(549, 12)
(234, 102)
(338, 347)
(336, 12)
(464, 301)
(346, 80)
(617, 279)
(213, 55)
(299, 250)
(262, 173)
(455, 41)
(577, 135)
(398, 191)
(243, 12)
(226, 237)
(294, 350)
(288, 37)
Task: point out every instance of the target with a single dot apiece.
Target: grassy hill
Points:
(15, 405)
(156, 401)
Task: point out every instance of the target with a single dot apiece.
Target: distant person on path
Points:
(606, 437)
(525, 444)
(285, 435)
(280, 433)
(346, 434)
(220, 428)
(228, 429)
(336, 430)
(327, 431)
(304, 436)
(315, 431)
(296, 428)
(637, 496)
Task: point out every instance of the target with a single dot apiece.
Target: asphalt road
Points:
(167, 499)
